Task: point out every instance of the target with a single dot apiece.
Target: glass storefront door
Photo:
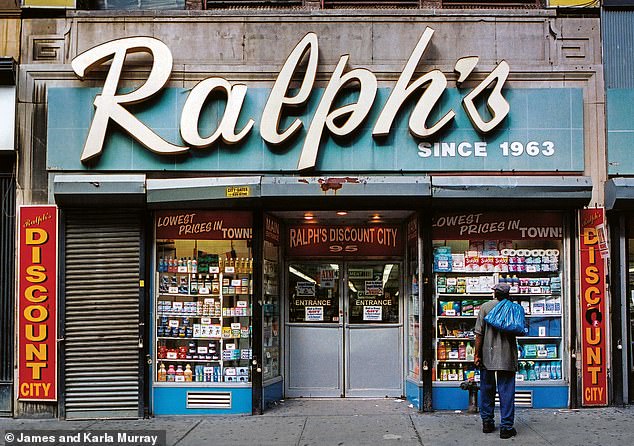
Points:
(344, 329)
(373, 332)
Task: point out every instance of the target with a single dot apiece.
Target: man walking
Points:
(496, 355)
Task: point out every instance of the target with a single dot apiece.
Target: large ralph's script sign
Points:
(420, 123)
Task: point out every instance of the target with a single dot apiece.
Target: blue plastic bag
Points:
(507, 316)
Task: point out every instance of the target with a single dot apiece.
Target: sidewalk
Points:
(366, 422)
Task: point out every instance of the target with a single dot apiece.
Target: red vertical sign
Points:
(594, 377)
(37, 303)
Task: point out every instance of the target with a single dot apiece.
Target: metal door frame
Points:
(343, 325)
(347, 391)
(290, 325)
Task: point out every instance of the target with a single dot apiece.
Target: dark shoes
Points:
(506, 433)
(488, 427)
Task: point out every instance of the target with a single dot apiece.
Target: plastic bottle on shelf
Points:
(189, 264)
(171, 373)
(470, 352)
(443, 373)
(162, 373)
(462, 351)
(558, 369)
(194, 265)
(522, 370)
(531, 371)
(170, 265)
(179, 371)
(188, 373)
(460, 372)
(442, 351)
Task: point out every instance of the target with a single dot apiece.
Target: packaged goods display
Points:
(203, 318)
(271, 338)
(465, 271)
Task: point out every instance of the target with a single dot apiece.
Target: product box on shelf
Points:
(449, 308)
(472, 261)
(442, 259)
(538, 326)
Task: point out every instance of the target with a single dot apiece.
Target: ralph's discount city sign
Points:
(594, 317)
(37, 303)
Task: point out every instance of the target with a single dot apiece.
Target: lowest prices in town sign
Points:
(37, 303)
(594, 376)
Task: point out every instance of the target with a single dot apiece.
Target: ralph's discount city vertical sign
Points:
(594, 376)
(37, 303)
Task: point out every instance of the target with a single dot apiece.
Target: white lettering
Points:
(339, 122)
(108, 103)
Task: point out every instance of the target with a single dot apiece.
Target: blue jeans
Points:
(506, 390)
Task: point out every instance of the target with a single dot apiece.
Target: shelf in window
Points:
(446, 338)
(213, 316)
(192, 338)
(485, 273)
(483, 294)
(543, 315)
(455, 360)
(519, 295)
(538, 359)
(187, 295)
(188, 360)
(530, 338)
(457, 317)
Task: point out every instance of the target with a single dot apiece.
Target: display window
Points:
(271, 334)
(413, 307)
(472, 252)
(203, 298)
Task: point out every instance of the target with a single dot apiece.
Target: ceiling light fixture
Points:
(342, 213)
(308, 216)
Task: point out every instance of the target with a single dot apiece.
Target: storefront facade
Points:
(316, 218)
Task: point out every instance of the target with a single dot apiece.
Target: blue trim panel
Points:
(544, 397)
(449, 398)
(173, 401)
(550, 119)
(273, 393)
(548, 397)
(414, 393)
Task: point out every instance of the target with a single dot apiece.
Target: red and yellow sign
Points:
(594, 377)
(374, 240)
(37, 304)
(205, 225)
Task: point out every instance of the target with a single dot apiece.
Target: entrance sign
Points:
(37, 303)
(594, 318)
